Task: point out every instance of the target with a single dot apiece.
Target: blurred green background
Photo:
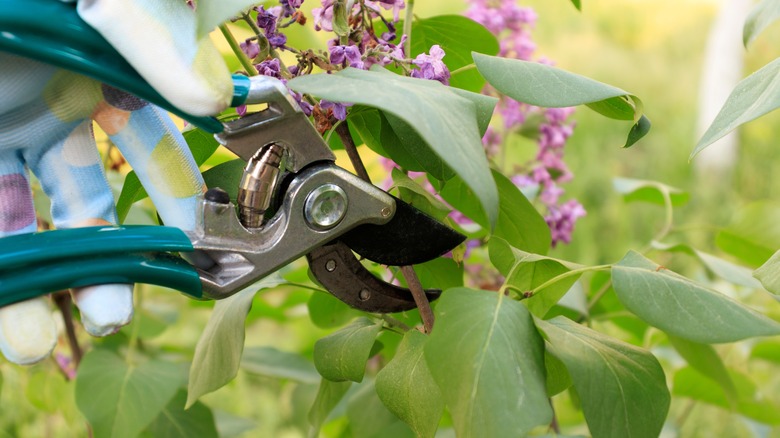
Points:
(651, 48)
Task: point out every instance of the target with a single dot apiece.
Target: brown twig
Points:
(419, 297)
(64, 302)
(411, 277)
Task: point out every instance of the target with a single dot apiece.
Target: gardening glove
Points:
(46, 127)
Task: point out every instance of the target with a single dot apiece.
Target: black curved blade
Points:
(339, 271)
(411, 237)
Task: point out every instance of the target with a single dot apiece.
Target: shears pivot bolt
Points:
(325, 206)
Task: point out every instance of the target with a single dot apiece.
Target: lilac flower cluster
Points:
(512, 24)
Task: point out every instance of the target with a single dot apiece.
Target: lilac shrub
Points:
(512, 25)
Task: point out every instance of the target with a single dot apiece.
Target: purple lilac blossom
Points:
(267, 20)
(250, 48)
(346, 56)
(339, 109)
(323, 17)
(512, 24)
(431, 66)
(270, 67)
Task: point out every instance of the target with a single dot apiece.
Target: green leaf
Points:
(687, 382)
(340, 18)
(683, 308)
(201, 143)
(762, 15)
(226, 176)
(441, 273)
(407, 388)
(722, 268)
(528, 271)
(270, 362)
(329, 395)
(121, 400)
(486, 355)
(755, 234)
(518, 221)
(417, 196)
(212, 13)
(558, 377)
(412, 149)
(176, 422)
(705, 359)
(768, 350)
(622, 388)
(327, 311)
(369, 418)
(447, 31)
(577, 4)
(550, 87)
(649, 191)
(769, 274)
(232, 426)
(218, 353)
(343, 355)
(445, 120)
(753, 97)
(132, 191)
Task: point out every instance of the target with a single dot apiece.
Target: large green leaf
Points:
(46, 390)
(218, 353)
(176, 422)
(518, 221)
(755, 234)
(329, 395)
(762, 15)
(447, 31)
(722, 268)
(705, 359)
(769, 274)
(753, 97)
(445, 120)
(550, 87)
(622, 388)
(343, 355)
(577, 4)
(407, 388)
(121, 400)
(270, 362)
(488, 360)
(683, 308)
(369, 418)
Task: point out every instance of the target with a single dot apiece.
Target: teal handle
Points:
(36, 264)
(52, 32)
(160, 269)
(47, 246)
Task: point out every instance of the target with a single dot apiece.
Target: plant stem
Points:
(669, 216)
(131, 345)
(411, 277)
(598, 295)
(560, 277)
(245, 61)
(408, 26)
(65, 305)
(468, 67)
(349, 145)
(418, 293)
(394, 323)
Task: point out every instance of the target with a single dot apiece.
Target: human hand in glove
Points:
(46, 117)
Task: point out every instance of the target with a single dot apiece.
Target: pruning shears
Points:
(293, 200)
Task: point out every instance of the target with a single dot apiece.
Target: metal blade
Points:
(339, 271)
(411, 237)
